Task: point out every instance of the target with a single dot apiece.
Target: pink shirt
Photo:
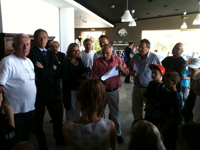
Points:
(100, 67)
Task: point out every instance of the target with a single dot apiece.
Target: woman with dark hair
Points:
(71, 70)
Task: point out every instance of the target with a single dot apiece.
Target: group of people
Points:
(33, 79)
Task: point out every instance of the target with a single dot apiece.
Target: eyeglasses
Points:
(76, 51)
(30, 75)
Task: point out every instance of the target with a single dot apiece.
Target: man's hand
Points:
(88, 69)
(39, 65)
(133, 73)
(119, 67)
(54, 67)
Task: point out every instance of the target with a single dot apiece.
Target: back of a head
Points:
(92, 96)
(24, 145)
(190, 132)
(145, 136)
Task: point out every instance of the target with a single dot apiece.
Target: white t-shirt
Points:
(196, 110)
(87, 59)
(18, 79)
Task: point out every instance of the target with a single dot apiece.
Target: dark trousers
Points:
(50, 103)
(23, 125)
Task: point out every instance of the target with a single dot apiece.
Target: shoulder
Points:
(9, 59)
(182, 60)
(153, 55)
(82, 53)
(61, 53)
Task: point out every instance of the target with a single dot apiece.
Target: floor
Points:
(126, 117)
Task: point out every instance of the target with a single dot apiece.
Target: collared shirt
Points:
(98, 55)
(143, 71)
(100, 67)
(42, 49)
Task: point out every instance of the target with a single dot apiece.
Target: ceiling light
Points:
(113, 6)
(197, 19)
(132, 23)
(127, 16)
(184, 25)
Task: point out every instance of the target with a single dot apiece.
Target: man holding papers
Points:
(104, 68)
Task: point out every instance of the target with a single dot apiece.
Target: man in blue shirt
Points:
(139, 69)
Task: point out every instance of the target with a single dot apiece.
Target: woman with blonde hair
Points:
(71, 70)
(91, 131)
(145, 136)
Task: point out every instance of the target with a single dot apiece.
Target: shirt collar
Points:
(42, 49)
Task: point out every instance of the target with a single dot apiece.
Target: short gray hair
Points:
(16, 37)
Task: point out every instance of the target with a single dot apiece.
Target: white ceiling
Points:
(90, 20)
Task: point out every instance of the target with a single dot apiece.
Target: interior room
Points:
(163, 22)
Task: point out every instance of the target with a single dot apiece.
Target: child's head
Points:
(171, 79)
(194, 67)
(196, 84)
(92, 97)
(145, 135)
(24, 145)
(157, 71)
(189, 136)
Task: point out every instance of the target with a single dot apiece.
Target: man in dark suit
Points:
(46, 70)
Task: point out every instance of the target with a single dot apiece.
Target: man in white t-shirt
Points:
(17, 82)
(87, 56)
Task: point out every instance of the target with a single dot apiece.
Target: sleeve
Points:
(5, 71)
(182, 68)
(95, 69)
(124, 64)
(47, 71)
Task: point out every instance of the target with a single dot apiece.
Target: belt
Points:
(111, 90)
(141, 87)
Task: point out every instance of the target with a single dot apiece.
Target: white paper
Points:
(111, 73)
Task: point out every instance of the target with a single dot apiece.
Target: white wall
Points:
(26, 16)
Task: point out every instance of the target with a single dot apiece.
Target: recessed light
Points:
(165, 6)
(113, 6)
(176, 9)
(147, 13)
(135, 18)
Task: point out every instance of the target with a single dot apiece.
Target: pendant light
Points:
(197, 19)
(127, 16)
(132, 23)
(184, 25)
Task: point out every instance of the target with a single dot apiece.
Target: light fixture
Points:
(132, 23)
(197, 19)
(127, 16)
(184, 25)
